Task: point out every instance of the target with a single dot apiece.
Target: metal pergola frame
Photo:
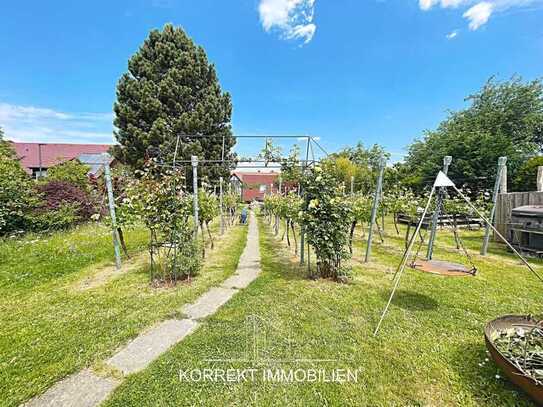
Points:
(311, 141)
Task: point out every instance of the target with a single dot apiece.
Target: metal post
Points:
(302, 231)
(194, 162)
(375, 206)
(352, 184)
(501, 164)
(441, 193)
(111, 201)
(220, 205)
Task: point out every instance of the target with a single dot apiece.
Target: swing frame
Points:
(442, 181)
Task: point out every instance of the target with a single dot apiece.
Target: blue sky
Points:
(343, 70)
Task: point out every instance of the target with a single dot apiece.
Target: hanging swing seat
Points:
(443, 268)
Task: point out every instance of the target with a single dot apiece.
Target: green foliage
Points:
(16, 195)
(171, 89)
(291, 171)
(5, 148)
(72, 171)
(357, 162)
(361, 207)
(60, 218)
(158, 199)
(208, 206)
(231, 201)
(326, 218)
(270, 152)
(402, 200)
(525, 178)
(504, 119)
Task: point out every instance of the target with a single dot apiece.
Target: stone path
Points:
(87, 389)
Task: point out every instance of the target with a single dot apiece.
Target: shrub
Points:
(526, 177)
(62, 217)
(16, 192)
(159, 200)
(62, 204)
(72, 171)
(326, 216)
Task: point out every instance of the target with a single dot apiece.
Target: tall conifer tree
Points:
(171, 89)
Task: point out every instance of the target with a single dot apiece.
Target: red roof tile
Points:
(53, 153)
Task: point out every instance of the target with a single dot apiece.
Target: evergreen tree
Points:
(171, 89)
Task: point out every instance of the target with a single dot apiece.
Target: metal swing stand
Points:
(441, 267)
(442, 181)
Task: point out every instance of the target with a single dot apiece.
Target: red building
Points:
(40, 156)
(254, 185)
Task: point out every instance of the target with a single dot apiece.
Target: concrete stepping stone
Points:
(139, 353)
(209, 302)
(83, 389)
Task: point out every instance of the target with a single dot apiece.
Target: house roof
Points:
(53, 153)
(256, 178)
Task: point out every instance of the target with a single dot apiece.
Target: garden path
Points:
(88, 389)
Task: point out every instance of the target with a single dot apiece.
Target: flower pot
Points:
(527, 384)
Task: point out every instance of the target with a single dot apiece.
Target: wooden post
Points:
(194, 162)
(540, 178)
(111, 200)
(435, 218)
(375, 206)
(499, 174)
(503, 185)
(221, 212)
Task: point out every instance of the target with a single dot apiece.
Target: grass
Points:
(61, 309)
(430, 350)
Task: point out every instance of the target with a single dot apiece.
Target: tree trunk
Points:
(203, 242)
(294, 236)
(380, 232)
(122, 242)
(210, 236)
(353, 227)
(288, 237)
(407, 233)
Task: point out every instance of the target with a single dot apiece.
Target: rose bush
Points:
(325, 217)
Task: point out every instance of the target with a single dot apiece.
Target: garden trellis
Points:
(442, 181)
(312, 149)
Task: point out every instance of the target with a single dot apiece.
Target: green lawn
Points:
(430, 350)
(63, 307)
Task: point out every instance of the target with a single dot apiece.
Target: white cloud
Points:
(292, 19)
(452, 35)
(478, 12)
(31, 123)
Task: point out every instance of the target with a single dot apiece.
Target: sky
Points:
(374, 71)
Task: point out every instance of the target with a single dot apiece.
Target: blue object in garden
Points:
(244, 216)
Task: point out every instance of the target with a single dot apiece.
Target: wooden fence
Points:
(507, 202)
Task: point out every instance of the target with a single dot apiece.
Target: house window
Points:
(262, 188)
(37, 174)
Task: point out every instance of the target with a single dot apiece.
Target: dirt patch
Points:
(103, 275)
